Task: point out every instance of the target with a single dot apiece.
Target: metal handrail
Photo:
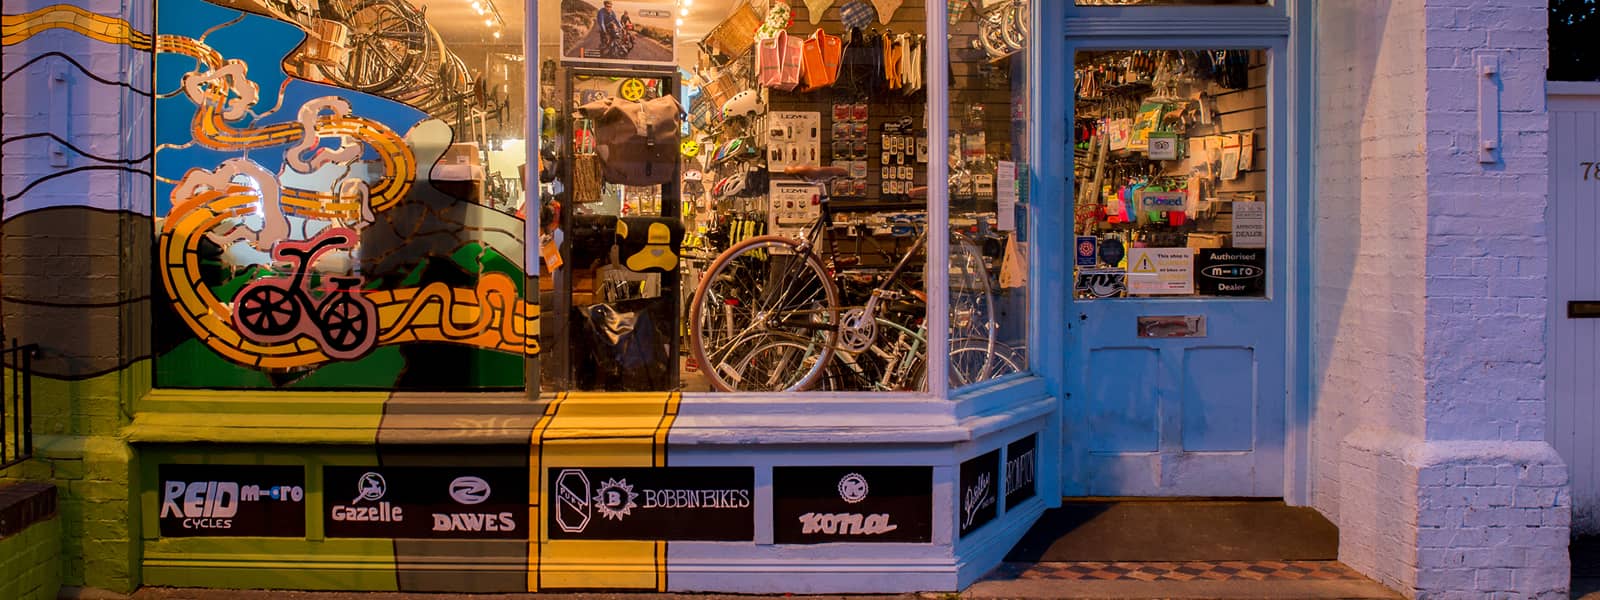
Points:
(16, 403)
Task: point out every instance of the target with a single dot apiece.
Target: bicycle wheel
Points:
(975, 360)
(386, 41)
(972, 313)
(761, 291)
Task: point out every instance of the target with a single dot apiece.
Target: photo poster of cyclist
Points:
(632, 32)
(303, 237)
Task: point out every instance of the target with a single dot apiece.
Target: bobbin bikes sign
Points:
(652, 503)
(232, 500)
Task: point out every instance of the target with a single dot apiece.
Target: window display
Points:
(989, 214)
(786, 233)
(1170, 173)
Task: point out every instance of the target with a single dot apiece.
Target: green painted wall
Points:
(30, 562)
(78, 447)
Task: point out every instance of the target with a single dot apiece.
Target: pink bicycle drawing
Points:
(273, 310)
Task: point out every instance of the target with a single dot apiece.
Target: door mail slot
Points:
(1186, 326)
(1583, 309)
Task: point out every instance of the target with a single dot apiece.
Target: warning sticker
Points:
(1160, 271)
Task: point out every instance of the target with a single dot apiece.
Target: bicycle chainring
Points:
(857, 330)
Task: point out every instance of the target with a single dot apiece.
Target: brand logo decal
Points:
(977, 498)
(371, 488)
(615, 499)
(1230, 271)
(572, 500)
(853, 488)
(469, 490)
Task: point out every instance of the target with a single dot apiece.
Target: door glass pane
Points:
(789, 201)
(1170, 171)
(337, 195)
(989, 166)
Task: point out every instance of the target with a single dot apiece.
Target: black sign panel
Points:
(852, 504)
(652, 503)
(232, 500)
(980, 491)
(426, 502)
(1231, 271)
(1022, 462)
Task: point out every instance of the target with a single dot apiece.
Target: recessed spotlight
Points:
(497, 35)
(488, 22)
(680, 21)
(683, 11)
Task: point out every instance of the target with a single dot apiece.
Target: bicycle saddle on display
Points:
(815, 173)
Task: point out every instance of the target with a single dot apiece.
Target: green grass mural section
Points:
(30, 562)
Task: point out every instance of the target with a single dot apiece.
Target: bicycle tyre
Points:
(969, 282)
(742, 255)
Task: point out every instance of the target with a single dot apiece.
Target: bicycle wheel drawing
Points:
(266, 313)
(763, 291)
(348, 325)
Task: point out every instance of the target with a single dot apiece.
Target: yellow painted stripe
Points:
(598, 430)
(16, 28)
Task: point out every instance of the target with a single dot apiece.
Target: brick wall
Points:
(30, 542)
(1371, 202)
(74, 250)
(1430, 301)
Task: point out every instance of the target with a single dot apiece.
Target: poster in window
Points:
(632, 32)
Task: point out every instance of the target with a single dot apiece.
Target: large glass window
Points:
(771, 237)
(338, 195)
(989, 170)
(1170, 173)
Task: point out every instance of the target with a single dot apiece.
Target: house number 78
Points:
(1591, 170)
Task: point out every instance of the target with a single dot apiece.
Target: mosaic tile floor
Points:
(1264, 570)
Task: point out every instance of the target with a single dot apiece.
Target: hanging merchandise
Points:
(822, 58)
(857, 14)
(1014, 267)
(779, 17)
(816, 9)
(886, 9)
(637, 142)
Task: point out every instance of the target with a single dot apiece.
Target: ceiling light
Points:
(683, 11)
(680, 21)
(497, 35)
(488, 22)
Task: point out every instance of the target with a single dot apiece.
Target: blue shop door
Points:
(1192, 402)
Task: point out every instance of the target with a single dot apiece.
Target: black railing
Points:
(16, 403)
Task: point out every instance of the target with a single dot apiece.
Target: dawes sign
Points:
(426, 502)
(232, 500)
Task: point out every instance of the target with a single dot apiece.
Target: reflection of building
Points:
(1402, 398)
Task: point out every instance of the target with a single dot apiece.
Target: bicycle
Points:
(273, 310)
(767, 314)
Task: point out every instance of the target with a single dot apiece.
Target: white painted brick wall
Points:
(1430, 315)
(1371, 201)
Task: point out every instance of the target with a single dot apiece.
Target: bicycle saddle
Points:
(818, 174)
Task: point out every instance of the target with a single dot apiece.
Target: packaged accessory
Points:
(637, 142)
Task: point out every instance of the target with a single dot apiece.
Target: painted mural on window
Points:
(338, 197)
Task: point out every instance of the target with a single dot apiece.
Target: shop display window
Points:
(1170, 171)
(339, 196)
(782, 245)
(989, 215)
